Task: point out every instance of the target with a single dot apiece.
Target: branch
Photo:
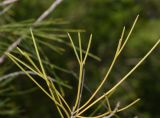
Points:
(10, 48)
(42, 17)
(47, 12)
(5, 9)
(113, 112)
(15, 74)
(21, 73)
(82, 85)
(7, 2)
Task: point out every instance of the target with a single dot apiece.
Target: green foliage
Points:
(57, 97)
(105, 19)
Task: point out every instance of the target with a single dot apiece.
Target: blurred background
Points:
(20, 98)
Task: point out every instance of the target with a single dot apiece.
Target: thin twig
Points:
(20, 73)
(113, 112)
(123, 79)
(42, 17)
(82, 85)
(7, 2)
(10, 48)
(5, 9)
(47, 12)
(15, 74)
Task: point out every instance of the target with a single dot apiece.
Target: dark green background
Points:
(105, 20)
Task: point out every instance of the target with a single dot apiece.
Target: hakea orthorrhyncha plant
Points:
(77, 111)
